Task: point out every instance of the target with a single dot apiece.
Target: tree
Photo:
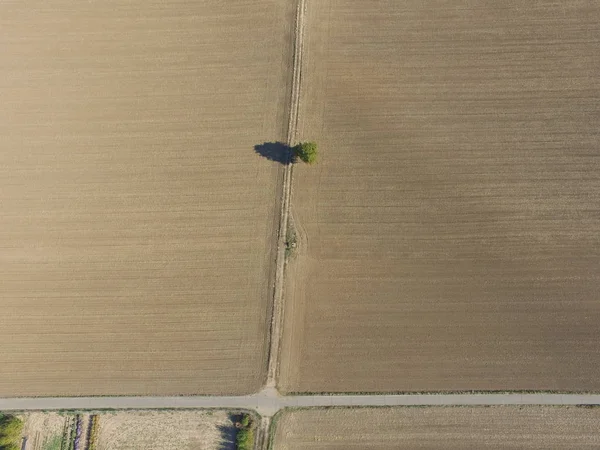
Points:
(306, 151)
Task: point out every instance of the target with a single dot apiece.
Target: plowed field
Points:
(450, 235)
(502, 427)
(137, 220)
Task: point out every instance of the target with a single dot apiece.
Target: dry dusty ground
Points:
(187, 430)
(452, 227)
(137, 219)
(502, 427)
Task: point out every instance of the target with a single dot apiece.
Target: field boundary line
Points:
(277, 306)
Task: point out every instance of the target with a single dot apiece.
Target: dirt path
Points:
(277, 310)
(262, 434)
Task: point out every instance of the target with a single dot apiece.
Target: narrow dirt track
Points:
(277, 307)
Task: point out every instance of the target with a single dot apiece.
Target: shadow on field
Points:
(228, 433)
(275, 151)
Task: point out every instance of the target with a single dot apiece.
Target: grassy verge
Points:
(450, 392)
(273, 427)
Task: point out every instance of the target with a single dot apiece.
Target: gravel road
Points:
(268, 401)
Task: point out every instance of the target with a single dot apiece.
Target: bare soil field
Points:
(137, 219)
(450, 234)
(500, 427)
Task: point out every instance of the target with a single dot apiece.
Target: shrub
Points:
(306, 151)
(245, 420)
(291, 241)
(245, 439)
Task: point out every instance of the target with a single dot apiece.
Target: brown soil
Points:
(137, 219)
(460, 428)
(451, 234)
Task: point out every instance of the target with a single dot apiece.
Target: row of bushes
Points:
(66, 435)
(78, 426)
(244, 439)
(92, 433)
(11, 428)
(73, 431)
(73, 426)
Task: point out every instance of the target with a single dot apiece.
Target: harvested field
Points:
(137, 219)
(449, 238)
(134, 430)
(44, 431)
(502, 427)
(146, 430)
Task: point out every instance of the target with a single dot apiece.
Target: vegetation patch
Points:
(10, 432)
(245, 436)
(291, 240)
(273, 427)
(66, 433)
(72, 432)
(54, 443)
(69, 433)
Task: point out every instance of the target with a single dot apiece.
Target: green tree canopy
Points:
(306, 151)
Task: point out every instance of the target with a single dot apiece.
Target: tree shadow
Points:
(228, 433)
(275, 151)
